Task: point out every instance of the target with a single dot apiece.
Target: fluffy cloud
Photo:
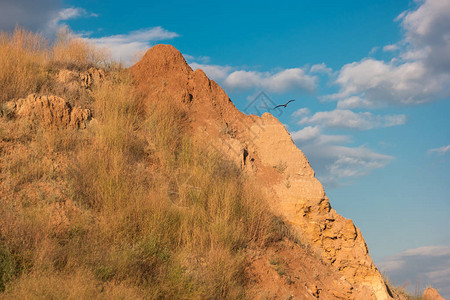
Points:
(236, 79)
(348, 119)
(276, 82)
(314, 137)
(306, 134)
(421, 71)
(320, 68)
(425, 265)
(124, 46)
(285, 80)
(428, 32)
(441, 151)
(381, 83)
(334, 163)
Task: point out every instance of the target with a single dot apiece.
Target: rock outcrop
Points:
(431, 294)
(84, 79)
(48, 111)
(263, 147)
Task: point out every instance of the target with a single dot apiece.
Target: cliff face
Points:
(264, 149)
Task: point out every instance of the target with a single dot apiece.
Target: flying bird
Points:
(284, 105)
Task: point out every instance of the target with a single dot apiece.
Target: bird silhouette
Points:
(284, 105)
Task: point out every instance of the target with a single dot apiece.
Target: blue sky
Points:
(371, 81)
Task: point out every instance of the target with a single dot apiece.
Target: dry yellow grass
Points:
(128, 208)
(28, 61)
(22, 55)
(74, 52)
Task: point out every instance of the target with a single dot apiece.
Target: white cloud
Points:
(354, 102)
(441, 151)
(306, 133)
(347, 119)
(383, 83)
(334, 163)
(425, 265)
(355, 162)
(215, 72)
(64, 15)
(242, 80)
(285, 80)
(392, 47)
(124, 46)
(428, 30)
(234, 78)
(320, 68)
(301, 112)
(421, 71)
(337, 165)
(70, 13)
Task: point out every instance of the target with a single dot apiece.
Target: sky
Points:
(371, 83)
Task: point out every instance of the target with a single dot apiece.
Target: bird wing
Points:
(278, 106)
(290, 101)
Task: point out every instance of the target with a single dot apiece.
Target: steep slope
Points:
(264, 149)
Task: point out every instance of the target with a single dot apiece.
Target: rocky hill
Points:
(265, 150)
(148, 183)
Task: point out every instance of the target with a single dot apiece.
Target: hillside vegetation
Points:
(126, 208)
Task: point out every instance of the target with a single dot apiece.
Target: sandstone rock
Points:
(91, 77)
(264, 148)
(80, 79)
(49, 111)
(431, 294)
(67, 76)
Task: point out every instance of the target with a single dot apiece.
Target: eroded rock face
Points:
(431, 294)
(49, 111)
(264, 149)
(303, 202)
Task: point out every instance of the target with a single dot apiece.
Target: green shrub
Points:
(8, 266)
